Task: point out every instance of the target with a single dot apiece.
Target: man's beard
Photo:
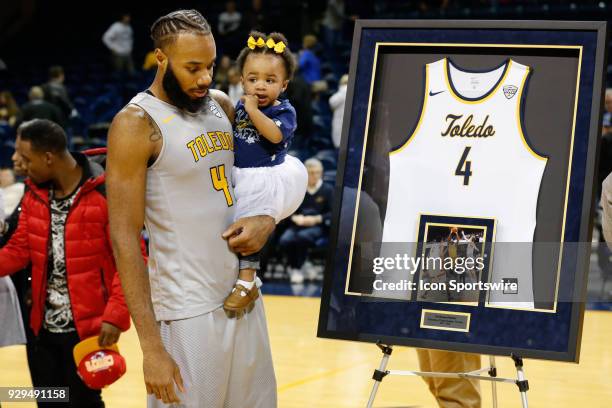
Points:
(176, 94)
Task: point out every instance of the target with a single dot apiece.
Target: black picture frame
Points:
(361, 319)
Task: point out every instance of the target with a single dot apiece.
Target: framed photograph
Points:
(466, 186)
(455, 256)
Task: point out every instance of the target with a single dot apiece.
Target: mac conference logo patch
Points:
(510, 91)
(215, 110)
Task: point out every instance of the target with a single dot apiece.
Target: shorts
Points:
(224, 362)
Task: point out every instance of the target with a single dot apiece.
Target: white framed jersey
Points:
(469, 156)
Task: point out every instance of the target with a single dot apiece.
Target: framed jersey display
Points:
(466, 186)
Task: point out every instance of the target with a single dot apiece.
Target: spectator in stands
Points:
(234, 85)
(11, 190)
(149, 65)
(333, 21)
(56, 92)
(310, 222)
(299, 94)
(607, 115)
(2, 217)
(150, 62)
(221, 73)
(336, 103)
(9, 111)
(605, 155)
(426, 6)
(38, 108)
(606, 204)
(356, 9)
(12, 218)
(119, 39)
(228, 25)
(311, 13)
(308, 62)
(256, 18)
(68, 268)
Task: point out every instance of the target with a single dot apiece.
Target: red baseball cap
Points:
(98, 366)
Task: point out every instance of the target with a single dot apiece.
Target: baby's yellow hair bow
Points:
(278, 47)
(251, 43)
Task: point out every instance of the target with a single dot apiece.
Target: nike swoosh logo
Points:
(434, 93)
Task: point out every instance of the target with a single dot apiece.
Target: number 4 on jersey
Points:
(464, 167)
(217, 174)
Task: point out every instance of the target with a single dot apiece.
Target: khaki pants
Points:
(451, 392)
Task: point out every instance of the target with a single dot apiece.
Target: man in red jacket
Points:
(63, 233)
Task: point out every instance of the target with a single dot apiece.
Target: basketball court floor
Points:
(314, 372)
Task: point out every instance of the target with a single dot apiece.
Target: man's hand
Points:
(251, 102)
(248, 235)
(109, 335)
(160, 375)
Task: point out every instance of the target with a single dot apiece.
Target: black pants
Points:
(55, 367)
(295, 241)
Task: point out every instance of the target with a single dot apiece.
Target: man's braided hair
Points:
(166, 28)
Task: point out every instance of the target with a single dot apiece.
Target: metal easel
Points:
(521, 382)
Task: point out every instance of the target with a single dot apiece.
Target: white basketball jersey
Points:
(189, 203)
(468, 157)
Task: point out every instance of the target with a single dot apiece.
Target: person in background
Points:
(256, 17)
(119, 39)
(56, 92)
(9, 110)
(228, 25)
(221, 73)
(149, 63)
(333, 21)
(234, 85)
(607, 114)
(38, 108)
(299, 94)
(76, 292)
(12, 332)
(605, 156)
(606, 204)
(21, 280)
(11, 190)
(336, 103)
(310, 222)
(451, 392)
(9, 223)
(308, 62)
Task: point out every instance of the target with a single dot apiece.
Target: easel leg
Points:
(521, 382)
(381, 372)
(493, 373)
